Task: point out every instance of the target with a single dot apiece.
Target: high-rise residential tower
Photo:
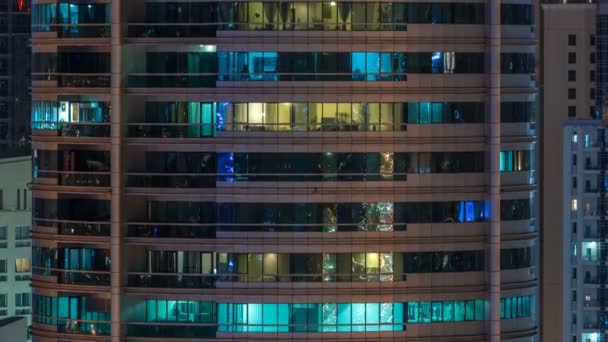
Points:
(569, 94)
(284, 171)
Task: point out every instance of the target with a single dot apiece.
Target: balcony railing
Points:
(75, 326)
(191, 180)
(209, 230)
(77, 178)
(75, 80)
(208, 80)
(210, 29)
(89, 30)
(71, 227)
(171, 130)
(75, 129)
(75, 277)
(199, 280)
(172, 330)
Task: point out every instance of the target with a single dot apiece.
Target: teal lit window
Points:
(412, 312)
(445, 311)
(310, 317)
(436, 311)
(517, 307)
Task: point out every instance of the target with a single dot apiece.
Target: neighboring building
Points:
(13, 329)
(569, 91)
(15, 241)
(15, 100)
(584, 262)
(284, 171)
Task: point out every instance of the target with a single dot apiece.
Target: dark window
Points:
(592, 40)
(571, 57)
(592, 111)
(516, 258)
(572, 93)
(517, 209)
(434, 262)
(592, 94)
(516, 14)
(572, 40)
(571, 111)
(592, 58)
(517, 111)
(571, 75)
(592, 75)
(517, 63)
(573, 182)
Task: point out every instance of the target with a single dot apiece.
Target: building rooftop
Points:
(9, 320)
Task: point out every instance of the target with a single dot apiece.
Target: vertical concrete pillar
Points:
(493, 145)
(116, 177)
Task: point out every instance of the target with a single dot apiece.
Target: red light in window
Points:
(20, 5)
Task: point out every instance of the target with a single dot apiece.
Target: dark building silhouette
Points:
(15, 82)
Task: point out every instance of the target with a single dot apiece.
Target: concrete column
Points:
(116, 177)
(493, 145)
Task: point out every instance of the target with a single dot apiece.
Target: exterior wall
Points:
(15, 177)
(559, 21)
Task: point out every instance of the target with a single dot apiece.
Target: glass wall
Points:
(515, 161)
(203, 119)
(515, 258)
(516, 209)
(80, 209)
(517, 307)
(69, 20)
(517, 63)
(72, 118)
(432, 262)
(309, 317)
(467, 310)
(446, 311)
(331, 217)
(167, 69)
(73, 314)
(204, 19)
(511, 112)
(328, 267)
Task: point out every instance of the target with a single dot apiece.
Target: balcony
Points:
(190, 180)
(73, 80)
(75, 277)
(77, 178)
(209, 230)
(209, 80)
(198, 280)
(75, 129)
(171, 130)
(70, 227)
(171, 180)
(74, 326)
(172, 330)
(81, 30)
(173, 30)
